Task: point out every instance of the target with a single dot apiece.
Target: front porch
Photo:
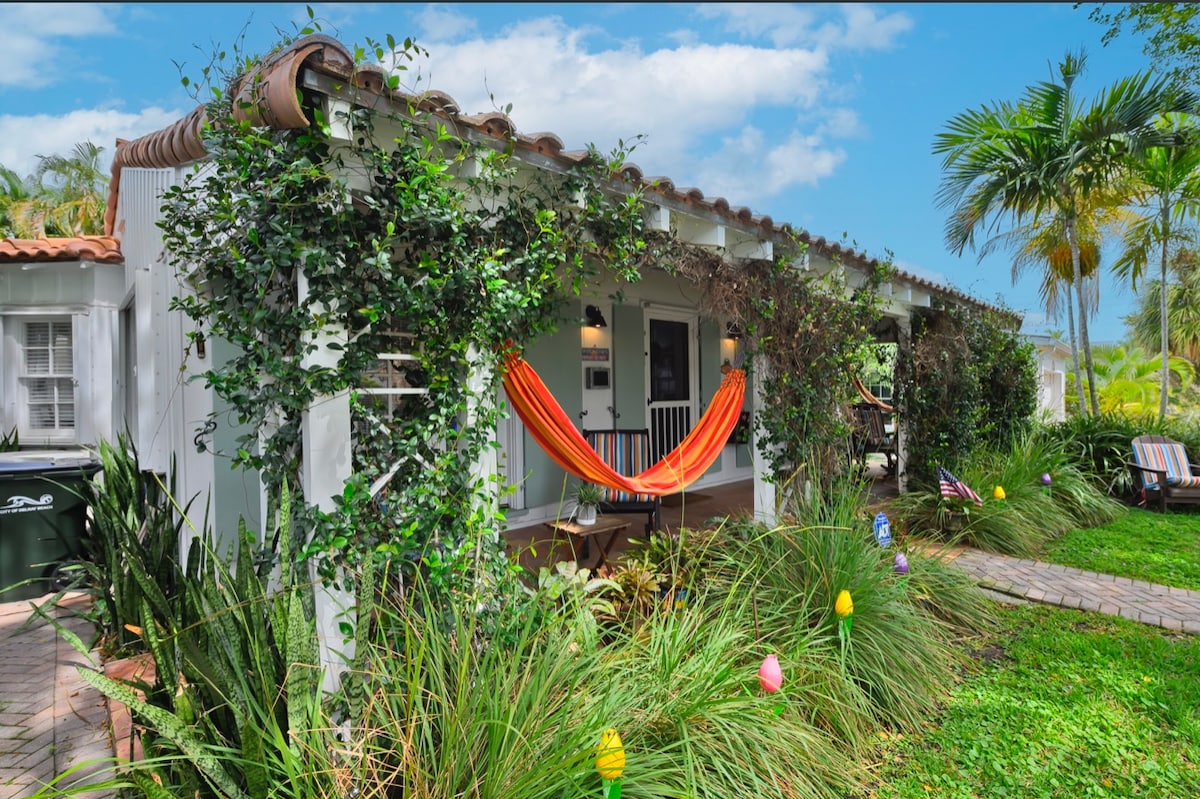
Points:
(536, 546)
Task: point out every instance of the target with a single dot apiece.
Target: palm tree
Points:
(1168, 179)
(76, 190)
(65, 196)
(1042, 244)
(15, 199)
(1047, 155)
(1183, 309)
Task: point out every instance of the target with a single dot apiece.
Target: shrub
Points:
(967, 381)
(1031, 513)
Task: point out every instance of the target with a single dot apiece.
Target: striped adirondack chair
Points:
(627, 452)
(1162, 473)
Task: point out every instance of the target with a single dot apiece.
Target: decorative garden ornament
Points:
(770, 676)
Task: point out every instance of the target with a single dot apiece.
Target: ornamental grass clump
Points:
(687, 687)
(896, 660)
(1023, 513)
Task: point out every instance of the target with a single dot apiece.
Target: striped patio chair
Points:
(1162, 472)
(627, 452)
(871, 435)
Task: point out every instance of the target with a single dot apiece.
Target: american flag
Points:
(953, 487)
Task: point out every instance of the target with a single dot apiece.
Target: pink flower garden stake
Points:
(770, 676)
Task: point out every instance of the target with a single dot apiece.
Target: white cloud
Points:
(784, 24)
(24, 138)
(679, 97)
(748, 167)
(439, 23)
(866, 30)
(32, 51)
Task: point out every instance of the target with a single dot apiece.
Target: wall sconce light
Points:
(732, 331)
(594, 316)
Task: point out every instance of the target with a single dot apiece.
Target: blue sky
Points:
(819, 115)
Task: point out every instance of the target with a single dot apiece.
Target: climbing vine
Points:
(313, 255)
(809, 329)
(967, 380)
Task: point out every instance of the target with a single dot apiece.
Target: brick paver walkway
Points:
(1170, 608)
(50, 720)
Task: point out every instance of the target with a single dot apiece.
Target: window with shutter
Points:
(48, 377)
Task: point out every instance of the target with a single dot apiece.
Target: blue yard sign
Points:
(883, 530)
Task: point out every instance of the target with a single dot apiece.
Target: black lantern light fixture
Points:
(595, 318)
(733, 331)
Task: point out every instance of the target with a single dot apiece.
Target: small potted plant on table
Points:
(587, 502)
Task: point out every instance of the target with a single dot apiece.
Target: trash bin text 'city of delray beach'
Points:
(43, 510)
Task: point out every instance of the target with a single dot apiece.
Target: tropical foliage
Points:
(1183, 309)
(1166, 181)
(1027, 513)
(1129, 380)
(65, 196)
(968, 380)
(235, 710)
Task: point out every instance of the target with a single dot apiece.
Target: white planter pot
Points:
(585, 514)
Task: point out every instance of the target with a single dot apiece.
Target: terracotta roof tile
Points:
(100, 249)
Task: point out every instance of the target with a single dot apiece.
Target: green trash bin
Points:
(43, 510)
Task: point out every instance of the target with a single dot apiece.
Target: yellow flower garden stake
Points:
(610, 763)
(844, 608)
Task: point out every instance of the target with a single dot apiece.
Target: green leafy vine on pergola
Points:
(460, 265)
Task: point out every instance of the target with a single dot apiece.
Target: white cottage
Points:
(90, 344)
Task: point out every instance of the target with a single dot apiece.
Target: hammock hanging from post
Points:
(554, 431)
(867, 396)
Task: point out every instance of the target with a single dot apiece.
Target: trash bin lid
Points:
(43, 460)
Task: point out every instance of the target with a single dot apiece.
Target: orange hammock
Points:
(553, 430)
(867, 396)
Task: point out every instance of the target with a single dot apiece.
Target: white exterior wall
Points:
(172, 405)
(1052, 365)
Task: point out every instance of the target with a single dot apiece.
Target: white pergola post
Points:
(766, 509)
(903, 344)
(326, 465)
(486, 469)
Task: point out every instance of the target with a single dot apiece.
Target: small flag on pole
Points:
(953, 487)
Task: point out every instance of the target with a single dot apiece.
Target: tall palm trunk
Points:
(1084, 343)
(1075, 352)
(1162, 316)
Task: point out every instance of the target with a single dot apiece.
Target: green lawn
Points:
(1059, 703)
(1062, 703)
(1143, 545)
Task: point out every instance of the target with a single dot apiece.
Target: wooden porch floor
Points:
(536, 546)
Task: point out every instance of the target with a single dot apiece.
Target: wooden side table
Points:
(609, 526)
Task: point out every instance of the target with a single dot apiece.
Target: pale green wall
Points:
(556, 359)
(629, 366)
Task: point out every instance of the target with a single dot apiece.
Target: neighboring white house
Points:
(60, 341)
(1053, 359)
(90, 344)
